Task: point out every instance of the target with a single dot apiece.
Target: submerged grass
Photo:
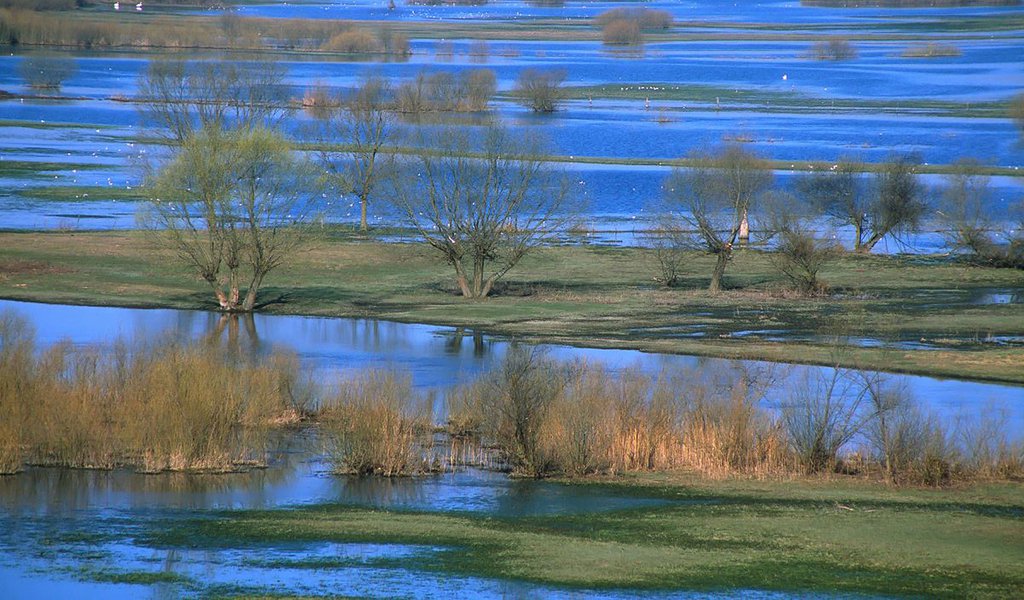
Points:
(722, 536)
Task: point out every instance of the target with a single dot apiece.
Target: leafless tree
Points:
(485, 210)
(364, 124)
(182, 97)
(47, 71)
(893, 205)
(969, 226)
(714, 197)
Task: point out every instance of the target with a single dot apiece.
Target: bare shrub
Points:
(825, 412)
(479, 86)
(969, 227)
(833, 49)
(540, 91)
(670, 246)
(621, 32)
(931, 50)
(479, 51)
(353, 41)
(379, 425)
(516, 400)
(47, 71)
(645, 18)
(800, 255)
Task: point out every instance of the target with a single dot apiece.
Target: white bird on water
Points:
(117, 6)
(138, 6)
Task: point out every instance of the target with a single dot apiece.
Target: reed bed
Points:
(153, 407)
(536, 418)
(377, 424)
(166, 406)
(31, 28)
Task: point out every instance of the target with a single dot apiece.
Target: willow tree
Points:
(230, 205)
(482, 210)
(714, 197)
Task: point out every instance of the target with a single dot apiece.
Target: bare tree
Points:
(482, 211)
(892, 206)
(230, 205)
(363, 123)
(181, 98)
(715, 195)
(969, 226)
(540, 91)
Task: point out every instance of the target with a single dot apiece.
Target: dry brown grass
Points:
(157, 407)
(379, 425)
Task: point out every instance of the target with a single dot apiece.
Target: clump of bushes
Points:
(468, 90)
(159, 407)
(645, 18)
(379, 425)
(931, 50)
(44, 71)
(540, 91)
(625, 26)
(833, 49)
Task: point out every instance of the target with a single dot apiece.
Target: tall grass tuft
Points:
(379, 425)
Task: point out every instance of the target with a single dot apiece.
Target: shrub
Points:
(833, 49)
(43, 71)
(621, 32)
(931, 50)
(353, 41)
(541, 91)
(379, 426)
(800, 255)
(645, 18)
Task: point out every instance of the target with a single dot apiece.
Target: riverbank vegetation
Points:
(203, 406)
(917, 314)
(153, 406)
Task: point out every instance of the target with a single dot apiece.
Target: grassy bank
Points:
(588, 296)
(807, 536)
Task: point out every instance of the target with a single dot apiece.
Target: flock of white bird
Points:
(117, 6)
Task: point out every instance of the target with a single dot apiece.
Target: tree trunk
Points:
(744, 229)
(866, 247)
(362, 213)
(722, 259)
(250, 294)
(478, 278)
